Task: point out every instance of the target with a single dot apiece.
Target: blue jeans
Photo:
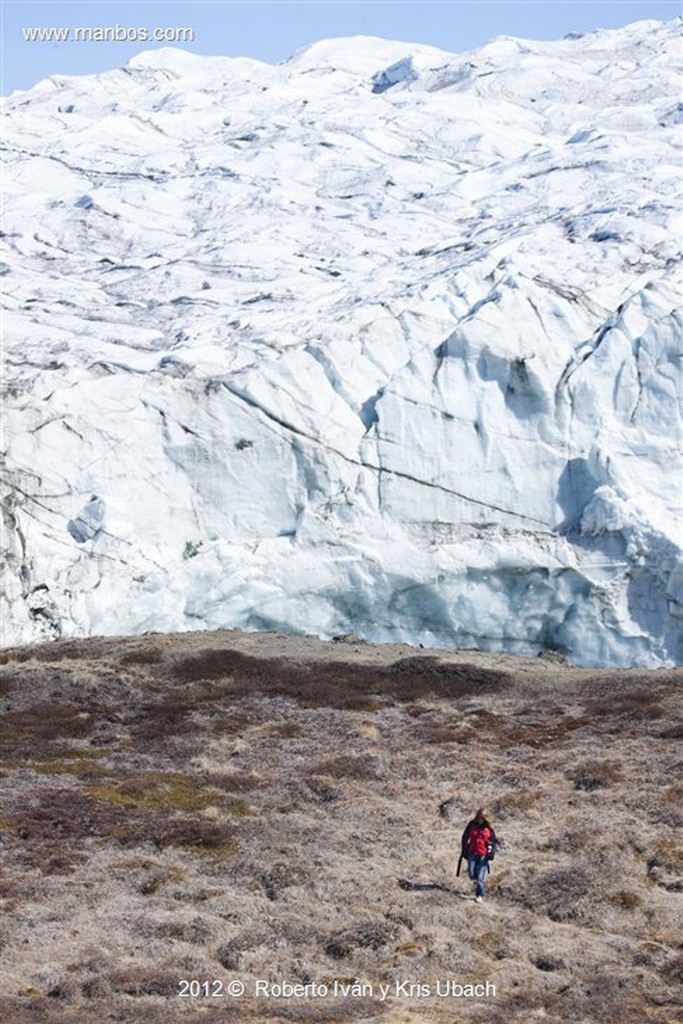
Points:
(476, 869)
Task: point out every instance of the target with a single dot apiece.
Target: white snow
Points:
(382, 340)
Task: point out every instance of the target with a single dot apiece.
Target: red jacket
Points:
(475, 840)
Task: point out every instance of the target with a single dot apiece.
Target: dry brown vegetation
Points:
(225, 807)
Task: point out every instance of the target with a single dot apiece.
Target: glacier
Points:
(382, 340)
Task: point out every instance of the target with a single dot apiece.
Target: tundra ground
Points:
(181, 816)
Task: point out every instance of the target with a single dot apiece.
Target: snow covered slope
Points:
(382, 340)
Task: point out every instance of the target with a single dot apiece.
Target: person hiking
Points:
(478, 846)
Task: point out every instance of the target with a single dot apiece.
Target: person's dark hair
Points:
(482, 814)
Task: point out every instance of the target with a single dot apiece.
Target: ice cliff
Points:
(382, 340)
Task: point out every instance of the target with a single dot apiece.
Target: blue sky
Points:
(271, 31)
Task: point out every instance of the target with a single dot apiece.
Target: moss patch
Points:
(170, 791)
(76, 763)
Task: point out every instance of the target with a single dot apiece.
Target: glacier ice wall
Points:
(381, 340)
